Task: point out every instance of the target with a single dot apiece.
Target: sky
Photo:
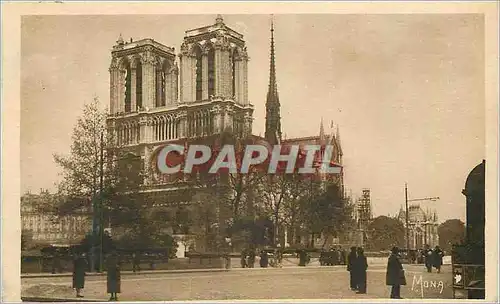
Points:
(407, 91)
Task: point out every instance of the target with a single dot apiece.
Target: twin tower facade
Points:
(155, 98)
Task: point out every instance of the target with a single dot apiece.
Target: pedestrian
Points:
(251, 258)
(395, 276)
(428, 258)
(79, 268)
(243, 258)
(437, 258)
(302, 257)
(264, 259)
(136, 262)
(360, 268)
(351, 267)
(113, 276)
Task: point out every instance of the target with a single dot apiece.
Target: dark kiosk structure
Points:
(468, 259)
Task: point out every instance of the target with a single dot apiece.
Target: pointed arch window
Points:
(128, 85)
(199, 73)
(138, 84)
(234, 54)
(160, 86)
(211, 71)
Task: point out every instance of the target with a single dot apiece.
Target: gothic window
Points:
(211, 72)
(199, 73)
(138, 85)
(160, 86)
(128, 81)
(233, 71)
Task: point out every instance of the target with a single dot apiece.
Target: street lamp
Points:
(407, 214)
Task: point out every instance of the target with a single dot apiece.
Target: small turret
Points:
(120, 40)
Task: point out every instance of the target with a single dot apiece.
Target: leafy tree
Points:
(81, 169)
(384, 233)
(328, 212)
(451, 232)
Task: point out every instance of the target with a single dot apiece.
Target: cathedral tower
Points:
(154, 102)
(273, 123)
(214, 69)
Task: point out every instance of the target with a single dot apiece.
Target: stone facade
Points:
(155, 99)
(45, 228)
(423, 227)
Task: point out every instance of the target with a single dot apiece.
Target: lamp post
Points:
(407, 214)
(101, 198)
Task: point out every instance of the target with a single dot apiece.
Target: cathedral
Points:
(158, 97)
(423, 226)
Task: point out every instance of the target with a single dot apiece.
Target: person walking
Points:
(437, 258)
(113, 276)
(395, 276)
(428, 258)
(251, 258)
(264, 259)
(79, 268)
(360, 268)
(351, 267)
(136, 262)
(243, 258)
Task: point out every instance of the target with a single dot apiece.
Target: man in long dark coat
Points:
(437, 258)
(395, 274)
(264, 259)
(113, 276)
(360, 269)
(79, 268)
(351, 267)
(428, 258)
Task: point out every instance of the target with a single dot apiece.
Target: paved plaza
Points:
(311, 282)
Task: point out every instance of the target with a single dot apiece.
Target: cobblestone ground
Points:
(285, 283)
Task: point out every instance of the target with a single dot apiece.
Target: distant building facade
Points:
(423, 226)
(44, 228)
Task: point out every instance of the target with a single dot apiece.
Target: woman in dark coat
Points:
(437, 258)
(395, 274)
(113, 276)
(360, 269)
(351, 266)
(79, 268)
(264, 259)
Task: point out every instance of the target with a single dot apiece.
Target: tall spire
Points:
(273, 86)
(273, 119)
